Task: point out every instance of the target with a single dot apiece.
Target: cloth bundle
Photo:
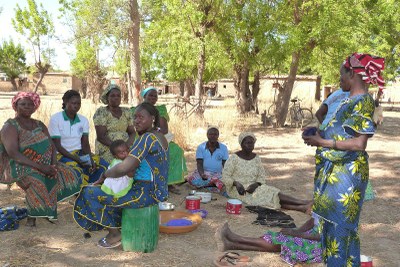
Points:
(271, 218)
(10, 217)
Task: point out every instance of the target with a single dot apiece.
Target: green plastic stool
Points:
(140, 229)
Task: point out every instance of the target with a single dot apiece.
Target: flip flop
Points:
(227, 262)
(237, 257)
(104, 244)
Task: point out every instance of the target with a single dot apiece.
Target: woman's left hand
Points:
(313, 140)
(251, 188)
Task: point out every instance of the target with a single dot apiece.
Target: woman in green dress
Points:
(28, 158)
(177, 162)
(112, 122)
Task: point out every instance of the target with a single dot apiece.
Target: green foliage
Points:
(34, 23)
(172, 40)
(261, 34)
(12, 59)
(85, 59)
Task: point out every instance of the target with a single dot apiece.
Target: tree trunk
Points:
(133, 39)
(181, 88)
(256, 90)
(84, 88)
(42, 72)
(14, 84)
(39, 82)
(189, 88)
(124, 89)
(200, 68)
(241, 84)
(285, 92)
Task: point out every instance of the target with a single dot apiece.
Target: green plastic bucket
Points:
(140, 229)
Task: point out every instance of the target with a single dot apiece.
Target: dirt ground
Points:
(290, 164)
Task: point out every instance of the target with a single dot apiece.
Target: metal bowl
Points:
(166, 206)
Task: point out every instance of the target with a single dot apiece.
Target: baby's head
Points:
(119, 149)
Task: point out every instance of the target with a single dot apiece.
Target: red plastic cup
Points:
(366, 261)
(193, 202)
(234, 206)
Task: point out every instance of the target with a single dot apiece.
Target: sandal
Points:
(237, 257)
(227, 262)
(104, 244)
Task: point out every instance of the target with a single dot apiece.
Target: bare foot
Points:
(309, 207)
(221, 236)
(113, 237)
(31, 222)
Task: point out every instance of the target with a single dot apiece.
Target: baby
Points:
(118, 187)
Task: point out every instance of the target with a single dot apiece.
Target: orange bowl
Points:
(166, 216)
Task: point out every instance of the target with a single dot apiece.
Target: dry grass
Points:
(188, 133)
(284, 155)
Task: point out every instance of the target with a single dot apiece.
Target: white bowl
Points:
(205, 196)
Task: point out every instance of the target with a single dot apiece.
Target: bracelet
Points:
(334, 144)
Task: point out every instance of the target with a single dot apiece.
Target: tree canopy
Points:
(36, 25)
(12, 60)
(199, 41)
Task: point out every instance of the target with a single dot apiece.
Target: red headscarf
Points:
(33, 96)
(369, 67)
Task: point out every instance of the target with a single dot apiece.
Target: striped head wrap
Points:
(31, 95)
(368, 66)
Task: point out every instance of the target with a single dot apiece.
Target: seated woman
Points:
(177, 162)
(244, 177)
(28, 157)
(70, 133)
(112, 122)
(300, 245)
(95, 209)
(210, 157)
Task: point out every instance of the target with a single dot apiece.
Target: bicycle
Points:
(184, 108)
(299, 117)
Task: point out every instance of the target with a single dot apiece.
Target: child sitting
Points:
(118, 187)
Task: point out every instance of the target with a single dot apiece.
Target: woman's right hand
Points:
(49, 170)
(100, 180)
(203, 176)
(240, 188)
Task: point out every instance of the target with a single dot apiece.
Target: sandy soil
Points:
(290, 164)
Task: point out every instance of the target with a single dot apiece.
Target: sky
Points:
(63, 50)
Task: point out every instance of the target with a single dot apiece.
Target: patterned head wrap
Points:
(148, 89)
(104, 95)
(32, 96)
(243, 135)
(369, 67)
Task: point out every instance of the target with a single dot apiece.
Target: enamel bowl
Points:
(205, 196)
(166, 206)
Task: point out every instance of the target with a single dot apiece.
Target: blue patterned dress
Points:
(94, 209)
(340, 181)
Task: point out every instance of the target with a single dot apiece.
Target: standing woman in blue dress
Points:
(70, 133)
(342, 169)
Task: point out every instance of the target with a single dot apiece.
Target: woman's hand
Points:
(100, 180)
(251, 188)
(204, 176)
(240, 188)
(313, 140)
(93, 166)
(49, 170)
